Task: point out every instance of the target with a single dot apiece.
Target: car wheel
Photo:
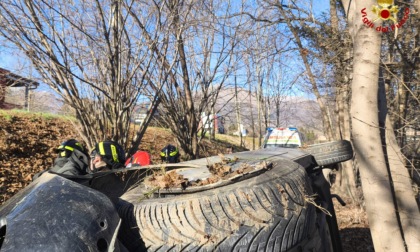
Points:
(267, 211)
(331, 152)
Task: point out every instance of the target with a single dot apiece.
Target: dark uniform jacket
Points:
(76, 164)
(109, 183)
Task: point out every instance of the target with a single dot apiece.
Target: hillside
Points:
(27, 143)
(26, 147)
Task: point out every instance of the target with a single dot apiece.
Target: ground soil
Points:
(27, 144)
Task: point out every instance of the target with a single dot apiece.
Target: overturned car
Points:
(274, 199)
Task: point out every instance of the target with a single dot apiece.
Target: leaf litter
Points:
(219, 171)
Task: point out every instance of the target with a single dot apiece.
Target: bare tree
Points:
(400, 65)
(262, 54)
(281, 89)
(330, 43)
(293, 17)
(88, 53)
(193, 46)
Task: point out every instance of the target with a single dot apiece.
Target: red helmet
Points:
(140, 157)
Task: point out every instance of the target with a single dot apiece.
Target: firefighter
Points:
(169, 154)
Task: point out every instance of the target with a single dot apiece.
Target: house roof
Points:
(13, 80)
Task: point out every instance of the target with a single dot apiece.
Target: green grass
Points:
(8, 115)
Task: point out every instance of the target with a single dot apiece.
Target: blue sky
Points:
(11, 60)
(7, 61)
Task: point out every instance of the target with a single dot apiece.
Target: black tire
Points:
(330, 153)
(266, 212)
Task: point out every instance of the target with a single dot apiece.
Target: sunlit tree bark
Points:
(386, 204)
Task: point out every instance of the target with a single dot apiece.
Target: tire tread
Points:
(331, 153)
(267, 211)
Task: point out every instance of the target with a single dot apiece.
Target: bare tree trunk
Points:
(213, 113)
(347, 178)
(366, 134)
(347, 181)
(260, 106)
(267, 106)
(252, 117)
(140, 132)
(402, 99)
(367, 145)
(238, 114)
(407, 206)
(407, 210)
(277, 102)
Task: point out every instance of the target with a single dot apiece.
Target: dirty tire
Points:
(331, 152)
(267, 212)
